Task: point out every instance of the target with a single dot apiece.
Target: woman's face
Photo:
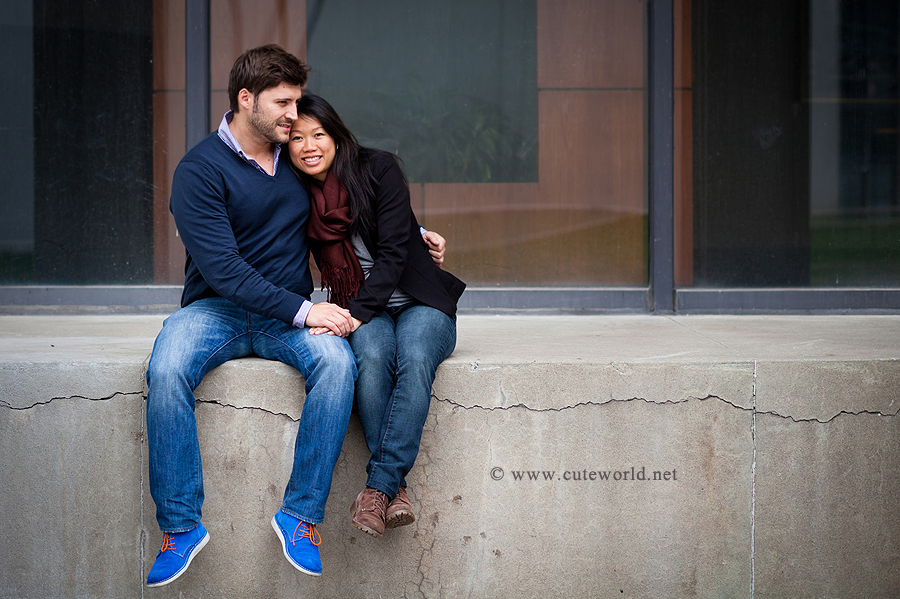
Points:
(312, 150)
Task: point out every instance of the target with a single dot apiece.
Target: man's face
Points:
(273, 112)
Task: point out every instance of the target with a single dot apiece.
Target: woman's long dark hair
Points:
(352, 162)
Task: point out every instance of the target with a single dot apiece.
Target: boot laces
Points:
(309, 532)
(168, 543)
(379, 502)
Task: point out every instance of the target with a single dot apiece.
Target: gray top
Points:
(399, 297)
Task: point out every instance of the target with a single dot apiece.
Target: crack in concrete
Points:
(5, 404)
(254, 408)
(421, 568)
(559, 409)
(753, 490)
(752, 410)
(143, 530)
(9, 406)
(520, 405)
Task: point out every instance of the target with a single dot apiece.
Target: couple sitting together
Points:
(280, 178)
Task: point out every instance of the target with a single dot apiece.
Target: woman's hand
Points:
(355, 324)
(436, 246)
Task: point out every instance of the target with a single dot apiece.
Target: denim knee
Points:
(374, 341)
(336, 363)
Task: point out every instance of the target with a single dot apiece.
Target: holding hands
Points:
(334, 320)
(330, 318)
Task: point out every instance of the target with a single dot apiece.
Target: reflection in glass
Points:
(448, 87)
(854, 130)
(796, 163)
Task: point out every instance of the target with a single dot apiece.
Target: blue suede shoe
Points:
(175, 555)
(300, 542)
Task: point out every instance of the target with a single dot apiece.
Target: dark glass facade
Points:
(523, 127)
(795, 144)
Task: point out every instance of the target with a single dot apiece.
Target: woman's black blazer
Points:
(400, 254)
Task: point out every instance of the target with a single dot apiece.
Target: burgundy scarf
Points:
(329, 224)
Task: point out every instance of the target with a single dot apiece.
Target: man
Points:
(242, 215)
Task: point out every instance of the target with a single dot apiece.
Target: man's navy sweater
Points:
(244, 231)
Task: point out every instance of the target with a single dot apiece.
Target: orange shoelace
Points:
(309, 532)
(167, 545)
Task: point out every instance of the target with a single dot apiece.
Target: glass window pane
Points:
(449, 87)
(795, 153)
(854, 129)
(521, 127)
(17, 143)
(84, 179)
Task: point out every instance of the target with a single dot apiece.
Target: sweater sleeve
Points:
(392, 214)
(199, 205)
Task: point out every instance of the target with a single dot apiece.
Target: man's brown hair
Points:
(259, 69)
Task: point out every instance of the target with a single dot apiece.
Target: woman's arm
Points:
(393, 218)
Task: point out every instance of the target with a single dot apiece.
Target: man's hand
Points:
(436, 246)
(329, 318)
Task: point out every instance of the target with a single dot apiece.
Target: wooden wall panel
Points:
(168, 148)
(684, 190)
(168, 44)
(592, 149)
(684, 75)
(168, 135)
(590, 43)
(239, 25)
(582, 224)
(514, 234)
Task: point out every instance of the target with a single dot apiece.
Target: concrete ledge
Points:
(581, 456)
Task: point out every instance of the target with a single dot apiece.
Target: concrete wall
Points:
(775, 443)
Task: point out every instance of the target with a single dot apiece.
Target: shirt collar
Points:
(225, 135)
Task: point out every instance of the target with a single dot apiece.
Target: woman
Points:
(375, 263)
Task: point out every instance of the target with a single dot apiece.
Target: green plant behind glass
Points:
(445, 137)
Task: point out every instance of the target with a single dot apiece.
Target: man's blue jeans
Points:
(205, 334)
(397, 357)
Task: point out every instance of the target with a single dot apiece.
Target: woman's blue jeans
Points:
(205, 334)
(397, 357)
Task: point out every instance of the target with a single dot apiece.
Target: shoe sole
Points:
(398, 519)
(190, 558)
(285, 551)
(362, 527)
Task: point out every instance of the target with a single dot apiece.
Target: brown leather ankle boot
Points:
(368, 511)
(399, 511)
